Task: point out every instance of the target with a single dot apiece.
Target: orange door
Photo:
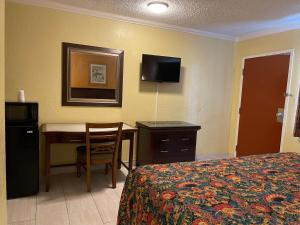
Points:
(262, 104)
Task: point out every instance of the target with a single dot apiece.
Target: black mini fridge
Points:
(22, 149)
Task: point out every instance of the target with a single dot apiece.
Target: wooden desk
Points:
(75, 134)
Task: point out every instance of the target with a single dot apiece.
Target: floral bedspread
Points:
(249, 190)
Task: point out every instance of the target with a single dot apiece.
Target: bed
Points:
(249, 190)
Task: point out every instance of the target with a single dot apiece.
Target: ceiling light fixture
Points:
(157, 7)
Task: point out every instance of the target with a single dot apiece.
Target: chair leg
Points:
(113, 174)
(106, 168)
(88, 176)
(78, 164)
(88, 182)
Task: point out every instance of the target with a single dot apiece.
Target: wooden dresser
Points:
(166, 142)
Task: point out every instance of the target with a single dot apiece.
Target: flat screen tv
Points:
(160, 68)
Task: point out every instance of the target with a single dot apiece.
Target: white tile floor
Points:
(68, 203)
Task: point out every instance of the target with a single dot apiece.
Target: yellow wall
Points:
(2, 139)
(33, 62)
(262, 45)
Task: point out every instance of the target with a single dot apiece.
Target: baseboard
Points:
(64, 169)
(203, 157)
(72, 169)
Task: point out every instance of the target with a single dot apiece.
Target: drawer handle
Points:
(184, 149)
(164, 151)
(185, 139)
(78, 140)
(29, 132)
(165, 140)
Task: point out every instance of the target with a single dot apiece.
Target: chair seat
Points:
(81, 148)
(103, 154)
(102, 148)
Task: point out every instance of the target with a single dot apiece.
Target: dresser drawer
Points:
(161, 139)
(163, 144)
(185, 143)
(173, 150)
(175, 158)
(184, 150)
(181, 138)
(174, 143)
(186, 139)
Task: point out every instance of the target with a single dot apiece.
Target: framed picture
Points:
(92, 76)
(97, 74)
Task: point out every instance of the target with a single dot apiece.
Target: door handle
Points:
(280, 115)
(288, 95)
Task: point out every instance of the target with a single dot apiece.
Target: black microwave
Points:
(16, 112)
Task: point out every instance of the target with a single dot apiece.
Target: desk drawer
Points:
(74, 138)
(68, 138)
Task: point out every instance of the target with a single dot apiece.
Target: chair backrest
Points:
(103, 137)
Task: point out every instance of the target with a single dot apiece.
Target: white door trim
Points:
(292, 53)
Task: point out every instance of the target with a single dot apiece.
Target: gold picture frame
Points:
(92, 76)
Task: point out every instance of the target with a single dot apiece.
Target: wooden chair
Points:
(102, 144)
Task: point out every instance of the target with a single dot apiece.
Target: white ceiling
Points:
(230, 19)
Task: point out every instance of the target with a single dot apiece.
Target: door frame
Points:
(287, 100)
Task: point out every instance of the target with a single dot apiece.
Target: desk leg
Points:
(120, 155)
(131, 141)
(47, 164)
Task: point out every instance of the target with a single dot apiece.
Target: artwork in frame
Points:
(97, 74)
(91, 76)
